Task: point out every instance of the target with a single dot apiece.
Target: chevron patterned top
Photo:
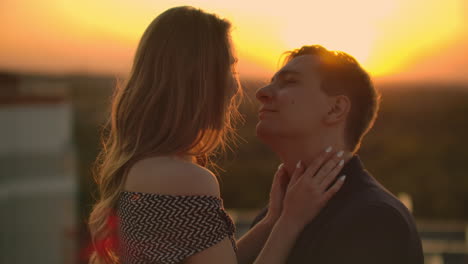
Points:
(166, 229)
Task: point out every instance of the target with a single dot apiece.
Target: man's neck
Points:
(295, 149)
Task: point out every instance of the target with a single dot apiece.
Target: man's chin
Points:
(265, 132)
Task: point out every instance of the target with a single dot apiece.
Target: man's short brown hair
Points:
(340, 73)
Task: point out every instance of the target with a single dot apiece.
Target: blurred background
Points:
(60, 61)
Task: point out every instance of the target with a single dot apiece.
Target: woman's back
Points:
(179, 99)
(170, 211)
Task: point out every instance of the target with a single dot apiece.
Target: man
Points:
(324, 98)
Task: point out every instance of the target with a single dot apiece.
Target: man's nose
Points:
(264, 94)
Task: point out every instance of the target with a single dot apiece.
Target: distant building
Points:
(38, 175)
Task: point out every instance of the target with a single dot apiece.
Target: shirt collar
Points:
(356, 175)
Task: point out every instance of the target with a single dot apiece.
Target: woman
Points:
(158, 203)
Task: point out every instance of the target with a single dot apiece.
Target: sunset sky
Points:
(410, 40)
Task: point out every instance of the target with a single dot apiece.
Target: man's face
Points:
(293, 104)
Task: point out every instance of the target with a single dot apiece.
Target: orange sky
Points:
(393, 39)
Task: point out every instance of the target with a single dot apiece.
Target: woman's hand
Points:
(307, 191)
(277, 192)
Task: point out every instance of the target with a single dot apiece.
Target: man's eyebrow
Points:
(282, 73)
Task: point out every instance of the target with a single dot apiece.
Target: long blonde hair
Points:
(180, 99)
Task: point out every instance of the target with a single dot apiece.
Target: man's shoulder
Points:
(383, 217)
(377, 202)
(377, 210)
(370, 232)
(375, 199)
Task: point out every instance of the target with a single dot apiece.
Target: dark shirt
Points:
(363, 223)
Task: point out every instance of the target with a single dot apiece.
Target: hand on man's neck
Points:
(291, 151)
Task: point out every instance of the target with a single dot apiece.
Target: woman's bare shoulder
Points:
(166, 175)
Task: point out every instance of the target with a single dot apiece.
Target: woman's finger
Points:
(328, 179)
(318, 162)
(278, 174)
(334, 189)
(334, 162)
(277, 192)
(281, 178)
(298, 171)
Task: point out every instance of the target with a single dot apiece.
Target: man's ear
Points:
(340, 106)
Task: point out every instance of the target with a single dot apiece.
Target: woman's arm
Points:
(252, 242)
(250, 245)
(279, 243)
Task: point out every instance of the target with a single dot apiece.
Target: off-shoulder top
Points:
(156, 228)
